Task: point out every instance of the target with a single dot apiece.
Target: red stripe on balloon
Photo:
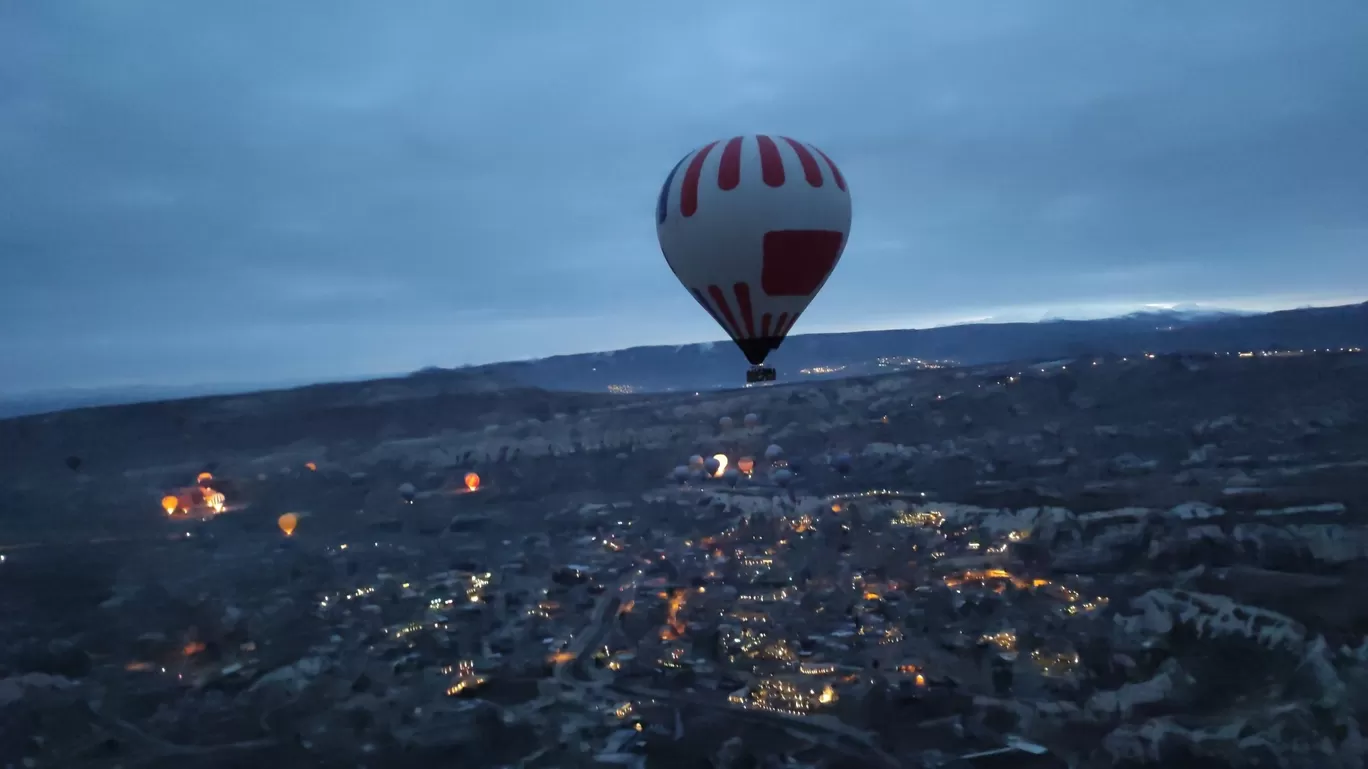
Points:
(699, 296)
(811, 171)
(835, 172)
(688, 195)
(721, 299)
(743, 303)
(771, 162)
(729, 173)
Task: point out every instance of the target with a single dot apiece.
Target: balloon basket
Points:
(758, 374)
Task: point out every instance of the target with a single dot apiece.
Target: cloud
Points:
(441, 183)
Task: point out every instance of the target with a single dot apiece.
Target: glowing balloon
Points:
(170, 503)
(287, 523)
(311, 466)
(472, 481)
(721, 460)
(204, 478)
(753, 227)
(745, 465)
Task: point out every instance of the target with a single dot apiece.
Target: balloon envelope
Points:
(711, 465)
(169, 503)
(753, 226)
(73, 463)
(773, 452)
(681, 473)
(725, 423)
(745, 465)
(472, 481)
(287, 523)
(407, 491)
(751, 420)
(696, 461)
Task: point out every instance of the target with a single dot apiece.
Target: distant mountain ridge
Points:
(709, 365)
(646, 369)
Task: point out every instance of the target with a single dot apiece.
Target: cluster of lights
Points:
(1005, 640)
(930, 518)
(769, 596)
(821, 370)
(1056, 664)
(413, 627)
(780, 696)
(621, 389)
(817, 668)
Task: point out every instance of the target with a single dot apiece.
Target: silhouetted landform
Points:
(719, 365)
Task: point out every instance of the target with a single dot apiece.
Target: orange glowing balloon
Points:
(287, 523)
(170, 503)
(745, 465)
(311, 466)
(204, 478)
(472, 481)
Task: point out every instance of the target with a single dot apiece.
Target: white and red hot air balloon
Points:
(753, 226)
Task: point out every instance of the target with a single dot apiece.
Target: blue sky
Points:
(195, 191)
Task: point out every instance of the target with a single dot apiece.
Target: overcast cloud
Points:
(261, 190)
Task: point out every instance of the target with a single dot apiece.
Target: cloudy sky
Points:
(256, 190)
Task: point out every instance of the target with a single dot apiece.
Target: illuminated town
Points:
(939, 567)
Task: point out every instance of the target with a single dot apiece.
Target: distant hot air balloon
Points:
(203, 479)
(751, 420)
(472, 481)
(696, 462)
(73, 463)
(752, 227)
(773, 452)
(732, 476)
(311, 466)
(408, 492)
(170, 503)
(745, 465)
(725, 423)
(681, 473)
(287, 523)
(711, 466)
(783, 476)
(721, 460)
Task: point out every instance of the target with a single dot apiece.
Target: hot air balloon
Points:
(170, 503)
(203, 479)
(783, 476)
(721, 460)
(472, 481)
(696, 461)
(745, 465)
(773, 452)
(287, 523)
(732, 476)
(711, 466)
(725, 423)
(751, 420)
(681, 473)
(408, 492)
(753, 227)
(311, 466)
(73, 463)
